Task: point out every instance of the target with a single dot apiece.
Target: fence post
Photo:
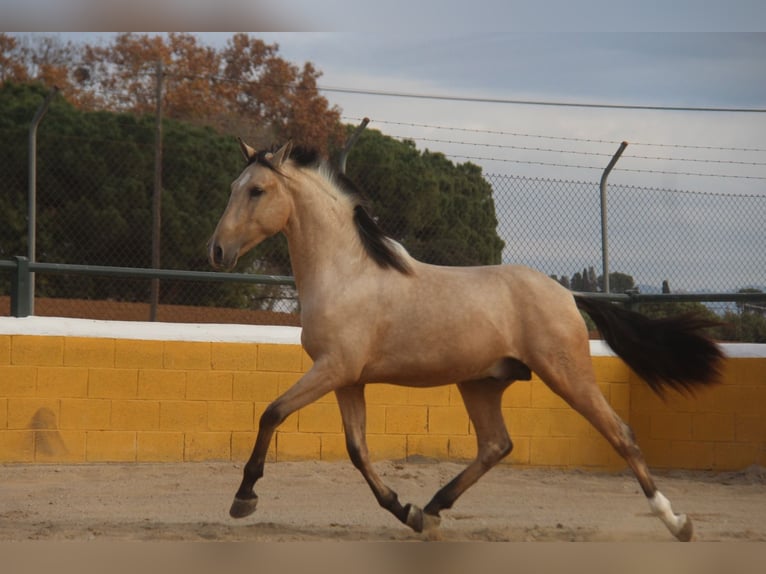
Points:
(349, 144)
(604, 239)
(32, 200)
(154, 286)
(21, 292)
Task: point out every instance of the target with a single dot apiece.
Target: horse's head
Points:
(258, 207)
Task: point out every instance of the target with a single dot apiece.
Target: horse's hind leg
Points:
(483, 402)
(353, 412)
(578, 387)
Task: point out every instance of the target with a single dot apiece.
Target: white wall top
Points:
(226, 333)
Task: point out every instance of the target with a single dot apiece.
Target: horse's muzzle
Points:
(219, 258)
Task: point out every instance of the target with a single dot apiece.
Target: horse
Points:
(371, 313)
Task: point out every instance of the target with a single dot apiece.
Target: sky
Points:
(470, 66)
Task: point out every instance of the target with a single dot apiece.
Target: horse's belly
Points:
(418, 364)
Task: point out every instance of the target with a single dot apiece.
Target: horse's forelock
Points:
(302, 156)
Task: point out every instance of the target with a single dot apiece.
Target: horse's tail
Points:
(667, 352)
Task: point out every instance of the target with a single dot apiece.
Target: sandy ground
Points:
(318, 501)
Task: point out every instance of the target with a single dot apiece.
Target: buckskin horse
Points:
(372, 313)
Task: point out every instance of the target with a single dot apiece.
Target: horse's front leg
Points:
(353, 411)
(312, 386)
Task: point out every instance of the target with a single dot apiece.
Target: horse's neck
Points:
(322, 238)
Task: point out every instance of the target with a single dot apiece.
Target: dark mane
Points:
(302, 156)
(376, 243)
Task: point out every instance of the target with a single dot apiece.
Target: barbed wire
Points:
(575, 152)
(548, 103)
(617, 168)
(147, 72)
(224, 79)
(558, 138)
(632, 187)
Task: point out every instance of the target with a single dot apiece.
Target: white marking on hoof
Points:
(679, 525)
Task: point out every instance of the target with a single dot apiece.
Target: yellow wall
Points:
(78, 399)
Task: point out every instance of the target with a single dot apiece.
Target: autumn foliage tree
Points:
(244, 88)
(47, 60)
(10, 67)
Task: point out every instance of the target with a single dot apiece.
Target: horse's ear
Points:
(247, 151)
(281, 155)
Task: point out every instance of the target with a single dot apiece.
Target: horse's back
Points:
(521, 288)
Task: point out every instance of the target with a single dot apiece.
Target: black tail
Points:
(668, 352)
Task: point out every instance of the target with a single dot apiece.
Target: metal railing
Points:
(21, 270)
(632, 299)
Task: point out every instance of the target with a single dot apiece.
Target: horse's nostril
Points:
(217, 254)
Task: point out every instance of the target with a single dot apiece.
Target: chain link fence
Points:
(696, 242)
(684, 241)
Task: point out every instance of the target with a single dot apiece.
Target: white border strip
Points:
(218, 333)
(155, 331)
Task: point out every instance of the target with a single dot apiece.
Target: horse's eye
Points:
(256, 191)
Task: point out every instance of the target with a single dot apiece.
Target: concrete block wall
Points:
(96, 399)
(724, 427)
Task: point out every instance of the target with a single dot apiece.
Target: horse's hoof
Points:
(414, 518)
(242, 507)
(419, 521)
(431, 525)
(686, 532)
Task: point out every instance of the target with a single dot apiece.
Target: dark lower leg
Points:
(386, 497)
(353, 411)
(310, 387)
(488, 457)
(482, 400)
(245, 500)
(254, 467)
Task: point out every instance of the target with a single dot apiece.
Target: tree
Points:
(757, 308)
(272, 93)
(47, 60)
(577, 283)
(747, 323)
(618, 282)
(592, 279)
(244, 88)
(586, 281)
(246, 85)
(441, 212)
(125, 74)
(11, 67)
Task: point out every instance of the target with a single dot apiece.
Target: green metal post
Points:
(20, 288)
